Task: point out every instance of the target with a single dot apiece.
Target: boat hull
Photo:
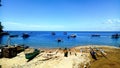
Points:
(32, 55)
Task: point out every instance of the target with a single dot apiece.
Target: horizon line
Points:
(65, 30)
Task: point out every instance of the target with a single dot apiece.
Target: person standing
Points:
(65, 52)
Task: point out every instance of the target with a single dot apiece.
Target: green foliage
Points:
(1, 27)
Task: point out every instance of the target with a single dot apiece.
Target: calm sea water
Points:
(45, 39)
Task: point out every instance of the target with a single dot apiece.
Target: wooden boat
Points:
(53, 33)
(9, 52)
(103, 53)
(1, 50)
(115, 36)
(59, 40)
(68, 37)
(20, 49)
(25, 35)
(65, 33)
(73, 36)
(30, 56)
(25, 47)
(4, 33)
(93, 53)
(95, 35)
(13, 36)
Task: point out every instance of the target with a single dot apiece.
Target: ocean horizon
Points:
(45, 39)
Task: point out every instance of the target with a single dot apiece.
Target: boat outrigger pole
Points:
(9, 39)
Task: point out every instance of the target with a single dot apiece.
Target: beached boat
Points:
(30, 56)
(20, 48)
(9, 52)
(1, 50)
(25, 35)
(93, 53)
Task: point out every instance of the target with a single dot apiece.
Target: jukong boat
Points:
(30, 56)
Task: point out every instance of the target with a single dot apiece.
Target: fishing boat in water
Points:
(4, 33)
(65, 33)
(25, 35)
(53, 33)
(73, 36)
(116, 36)
(95, 35)
(59, 40)
(11, 36)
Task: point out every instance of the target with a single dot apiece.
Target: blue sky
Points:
(61, 15)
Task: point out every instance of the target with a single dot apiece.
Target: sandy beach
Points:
(78, 57)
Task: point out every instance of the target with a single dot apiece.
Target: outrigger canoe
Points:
(30, 56)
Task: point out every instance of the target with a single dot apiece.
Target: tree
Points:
(0, 3)
(1, 27)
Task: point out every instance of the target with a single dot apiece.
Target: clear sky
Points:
(61, 15)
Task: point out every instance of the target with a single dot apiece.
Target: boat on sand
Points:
(31, 55)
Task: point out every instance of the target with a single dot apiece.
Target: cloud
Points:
(113, 24)
(24, 26)
(109, 21)
(112, 21)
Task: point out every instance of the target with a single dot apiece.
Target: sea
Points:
(45, 39)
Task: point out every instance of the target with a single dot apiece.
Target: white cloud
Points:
(112, 21)
(24, 26)
(116, 20)
(109, 21)
(112, 24)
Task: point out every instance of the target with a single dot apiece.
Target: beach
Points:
(60, 34)
(78, 57)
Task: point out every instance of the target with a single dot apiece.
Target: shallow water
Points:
(46, 39)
